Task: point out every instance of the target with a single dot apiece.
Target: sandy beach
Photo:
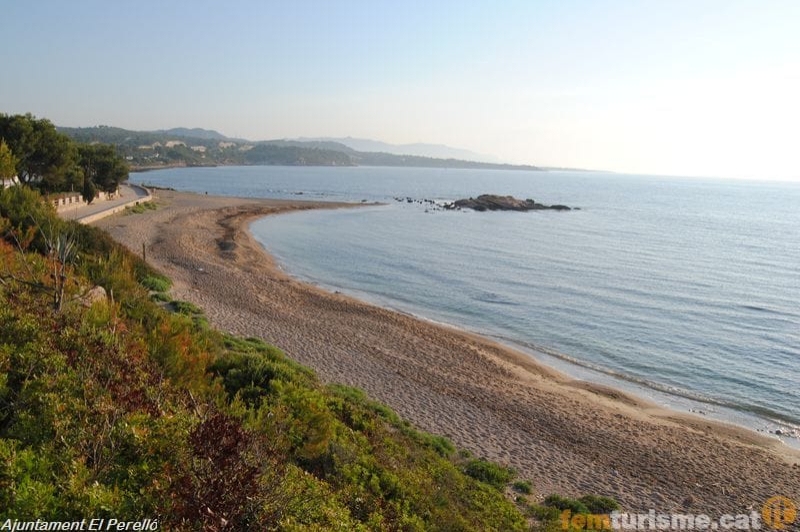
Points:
(565, 436)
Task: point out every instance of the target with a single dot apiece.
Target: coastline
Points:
(566, 436)
(573, 369)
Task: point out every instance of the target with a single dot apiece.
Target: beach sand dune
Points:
(567, 437)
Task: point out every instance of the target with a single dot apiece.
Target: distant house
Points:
(150, 146)
(10, 182)
(200, 149)
(174, 143)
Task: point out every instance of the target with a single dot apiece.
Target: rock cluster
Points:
(492, 202)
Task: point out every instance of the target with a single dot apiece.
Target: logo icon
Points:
(778, 512)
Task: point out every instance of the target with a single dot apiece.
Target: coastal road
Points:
(129, 195)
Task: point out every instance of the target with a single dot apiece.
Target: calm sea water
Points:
(685, 290)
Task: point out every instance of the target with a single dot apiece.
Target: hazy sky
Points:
(694, 87)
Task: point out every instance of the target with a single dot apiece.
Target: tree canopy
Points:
(8, 163)
(101, 166)
(45, 158)
(53, 162)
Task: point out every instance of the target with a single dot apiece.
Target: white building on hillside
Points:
(10, 182)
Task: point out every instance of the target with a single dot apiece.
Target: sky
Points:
(669, 87)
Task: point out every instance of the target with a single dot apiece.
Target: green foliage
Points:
(25, 212)
(191, 311)
(597, 504)
(523, 486)
(489, 472)
(97, 244)
(295, 155)
(141, 207)
(565, 503)
(186, 308)
(8, 163)
(250, 375)
(156, 283)
(379, 468)
(123, 409)
(551, 519)
(160, 297)
(587, 504)
(440, 444)
(102, 168)
(53, 162)
(550, 514)
(45, 157)
(89, 190)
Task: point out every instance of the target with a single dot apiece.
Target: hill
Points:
(195, 133)
(200, 147)
(433, 151)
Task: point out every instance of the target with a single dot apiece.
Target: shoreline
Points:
(566, 436)
(571, 369)
(782, 430)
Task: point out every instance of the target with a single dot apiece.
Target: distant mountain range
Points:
(436, 151)
(195, 133)
(203, 147)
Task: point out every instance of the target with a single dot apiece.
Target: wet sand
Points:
(566, 436)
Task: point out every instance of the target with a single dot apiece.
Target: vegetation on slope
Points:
(116, 407)
(121, 403)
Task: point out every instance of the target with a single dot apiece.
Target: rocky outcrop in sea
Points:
(492, 202)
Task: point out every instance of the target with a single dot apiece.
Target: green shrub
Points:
(523, 486)
(440, 444)
(28, 218)
(22, 205)
(489, 472)
(359, 398)
(141, 207)
(597, 504)
(588, 504)
(247, 375)
(566, 503)
(156, 283)
(94, 242)
(186, 308)
(160, 297)
(192, 311)
(542, 513)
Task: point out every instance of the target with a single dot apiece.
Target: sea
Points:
(685, 291)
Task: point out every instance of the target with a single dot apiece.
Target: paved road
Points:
(128, 194)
